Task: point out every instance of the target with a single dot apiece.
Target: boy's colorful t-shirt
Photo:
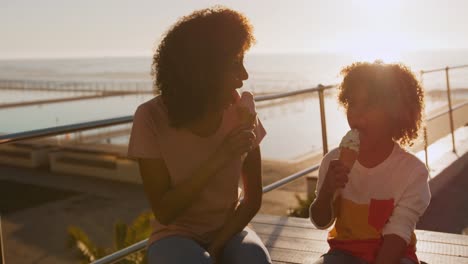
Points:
(182, 151)
(386, 199)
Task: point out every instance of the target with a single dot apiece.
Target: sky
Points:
(90, 28)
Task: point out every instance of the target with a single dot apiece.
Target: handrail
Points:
(286, 94)
(121, 254)
(446, 111)
(289, 178)
(449, 101)
(58, 130)
(444, 69)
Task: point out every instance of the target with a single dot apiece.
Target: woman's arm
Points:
(168, 202)
(252, 180)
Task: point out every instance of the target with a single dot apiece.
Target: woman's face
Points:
(233, 78)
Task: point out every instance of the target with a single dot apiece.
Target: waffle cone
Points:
(245, 116)
(348, 157)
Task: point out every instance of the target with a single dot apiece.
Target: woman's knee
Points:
(174, 250)
(247, 253)
(246, 247)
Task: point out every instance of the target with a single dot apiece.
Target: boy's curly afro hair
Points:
(392, 87)
(189, 63)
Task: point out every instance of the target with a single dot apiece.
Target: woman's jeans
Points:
(244, 248)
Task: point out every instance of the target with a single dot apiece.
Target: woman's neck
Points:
(372, 153)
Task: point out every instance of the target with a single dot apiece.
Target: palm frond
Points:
(78, 239)
(120, 235)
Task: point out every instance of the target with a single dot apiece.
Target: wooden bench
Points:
(296, 240)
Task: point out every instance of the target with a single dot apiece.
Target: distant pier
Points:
(99, 89)
(77, 86)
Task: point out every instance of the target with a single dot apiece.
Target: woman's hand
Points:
(215, 252)
(336, 177)
(239, 141)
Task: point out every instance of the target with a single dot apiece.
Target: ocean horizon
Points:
(267, 71)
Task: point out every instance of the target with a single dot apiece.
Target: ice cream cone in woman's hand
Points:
(246, 109)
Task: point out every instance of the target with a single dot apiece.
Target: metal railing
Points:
(449, 99)
(452, 129)
(58, 130)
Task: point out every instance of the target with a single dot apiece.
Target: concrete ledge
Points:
(25, 155)
(128, 170)
(103, 166)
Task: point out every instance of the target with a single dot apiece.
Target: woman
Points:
(192, 147)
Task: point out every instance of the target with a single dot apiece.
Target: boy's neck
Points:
(371, 155)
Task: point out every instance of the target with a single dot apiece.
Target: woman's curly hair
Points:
(390, 86)
(190, 61)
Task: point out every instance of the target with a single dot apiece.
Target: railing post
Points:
(421, 75)
(452, 129)
(2, 254)
(425, 147)
(322, 119)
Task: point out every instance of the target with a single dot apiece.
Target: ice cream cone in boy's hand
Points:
(349, 148)
(246, 109)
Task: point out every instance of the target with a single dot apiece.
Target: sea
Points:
(293, 126)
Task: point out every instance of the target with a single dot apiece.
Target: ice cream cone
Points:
(246, 109)
(349, 148)
(348, 157)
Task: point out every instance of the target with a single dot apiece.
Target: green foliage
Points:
(302, 209)
(87, 251)
(124, 236)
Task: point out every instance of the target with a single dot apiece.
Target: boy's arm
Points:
(401, 224)
(332, 176)
(392, 250)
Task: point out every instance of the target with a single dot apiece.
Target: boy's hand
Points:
(336, 177)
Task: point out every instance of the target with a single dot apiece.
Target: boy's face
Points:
(368, 117)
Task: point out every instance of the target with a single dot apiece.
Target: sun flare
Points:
(379, 36)
(373, 53)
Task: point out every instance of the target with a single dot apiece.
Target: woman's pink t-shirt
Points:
(182, 151)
